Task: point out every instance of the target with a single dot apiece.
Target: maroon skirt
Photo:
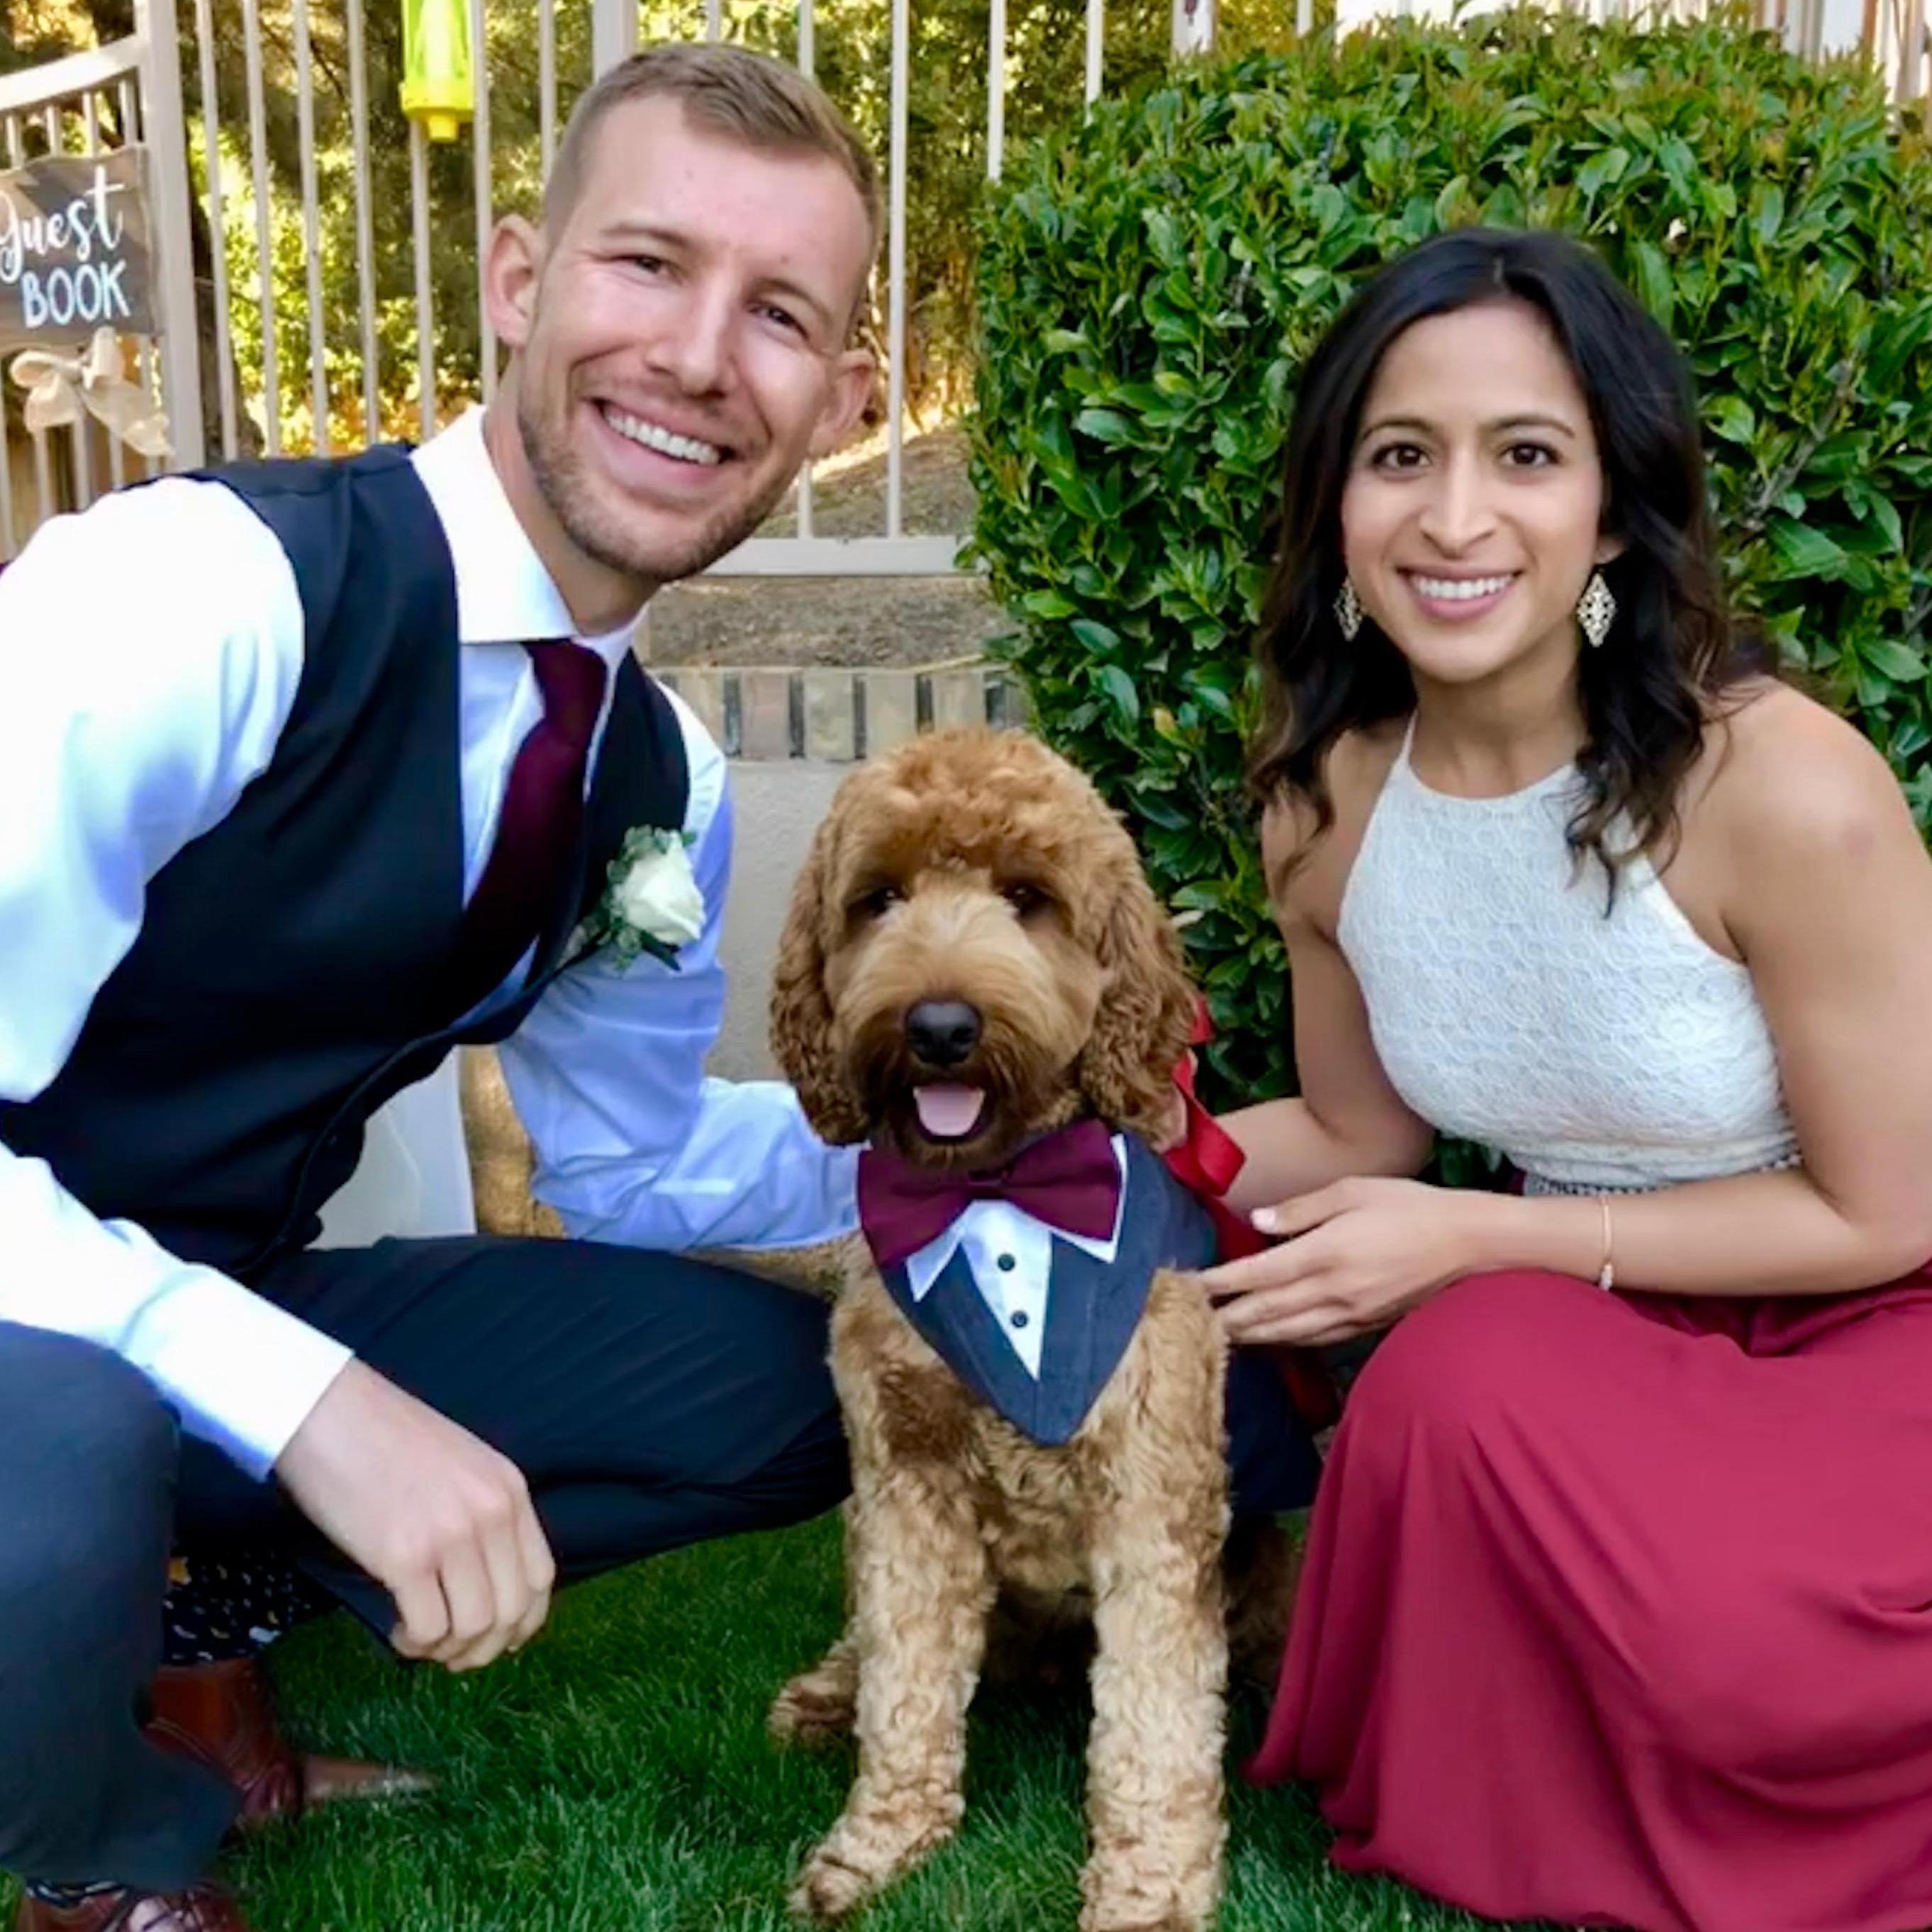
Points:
(1618, 1610)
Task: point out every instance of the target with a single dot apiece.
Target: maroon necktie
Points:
(1070, 1180)
(532, 863)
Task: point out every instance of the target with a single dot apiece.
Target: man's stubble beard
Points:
(557, 472)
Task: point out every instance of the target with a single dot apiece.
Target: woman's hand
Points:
(1361, 1252)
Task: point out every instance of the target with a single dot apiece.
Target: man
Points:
(308, 773)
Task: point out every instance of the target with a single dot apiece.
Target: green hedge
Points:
(1150, 283)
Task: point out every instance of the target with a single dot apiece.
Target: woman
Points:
(1617, 1606)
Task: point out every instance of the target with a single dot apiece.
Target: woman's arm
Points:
(1828, 895)
(1348, 1119)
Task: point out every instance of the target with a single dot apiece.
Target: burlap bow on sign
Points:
(58, 385)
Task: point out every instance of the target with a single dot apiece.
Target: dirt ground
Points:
(844, 620)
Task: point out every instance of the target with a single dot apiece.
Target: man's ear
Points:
(512, 273)
(853, 374)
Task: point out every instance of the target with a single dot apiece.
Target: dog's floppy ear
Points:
(1147, 1012)
(801, 1015)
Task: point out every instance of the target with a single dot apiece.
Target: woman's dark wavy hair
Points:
(1647, 692)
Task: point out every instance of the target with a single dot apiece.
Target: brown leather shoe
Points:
(202, 1908)
(224, 1714)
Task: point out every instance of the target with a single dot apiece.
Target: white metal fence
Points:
(91, 104)
(327, 367)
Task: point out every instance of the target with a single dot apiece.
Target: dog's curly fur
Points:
(979, 866)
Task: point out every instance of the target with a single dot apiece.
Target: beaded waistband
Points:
(1536, 1184)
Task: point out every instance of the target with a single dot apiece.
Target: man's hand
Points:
(437, 1517)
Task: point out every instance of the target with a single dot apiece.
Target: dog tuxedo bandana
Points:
(1029, 1283)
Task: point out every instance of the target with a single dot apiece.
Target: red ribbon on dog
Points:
(1205, 1161)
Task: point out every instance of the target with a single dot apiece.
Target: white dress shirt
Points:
(150, 649)
(1009, 1255)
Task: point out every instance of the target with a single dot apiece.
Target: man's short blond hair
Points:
(726, 90)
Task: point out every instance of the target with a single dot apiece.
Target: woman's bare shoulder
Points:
(1307, 863)
(1779, 763)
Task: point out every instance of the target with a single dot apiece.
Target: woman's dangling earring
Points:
(1348, 610)
(1596, 609)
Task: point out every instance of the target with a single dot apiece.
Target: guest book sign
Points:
(74, 250)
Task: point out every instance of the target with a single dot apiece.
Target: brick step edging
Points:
(839, 716)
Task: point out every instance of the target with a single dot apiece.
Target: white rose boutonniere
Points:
(652, 904)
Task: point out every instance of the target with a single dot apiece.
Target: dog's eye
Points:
(1023, 898)
(875, 903)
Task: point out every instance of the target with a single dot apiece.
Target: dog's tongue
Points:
(949, 1113)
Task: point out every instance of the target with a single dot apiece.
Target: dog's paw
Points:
(867, 1848)
(816, 1709)
(1172, 1920)
(829, 1889)
(1127, 1900)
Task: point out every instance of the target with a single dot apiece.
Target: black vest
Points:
(297, 965)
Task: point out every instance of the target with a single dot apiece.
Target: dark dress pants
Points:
(651, 1401)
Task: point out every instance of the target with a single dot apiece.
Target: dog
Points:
(973, 974)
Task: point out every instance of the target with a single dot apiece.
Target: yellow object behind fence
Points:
(438, 88)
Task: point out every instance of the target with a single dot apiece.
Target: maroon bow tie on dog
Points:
(1070, 1180)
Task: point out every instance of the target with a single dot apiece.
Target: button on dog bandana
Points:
(1010, 1254)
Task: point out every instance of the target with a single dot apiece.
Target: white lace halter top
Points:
(1595, 1052)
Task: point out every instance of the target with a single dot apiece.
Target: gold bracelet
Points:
(1606, 1272)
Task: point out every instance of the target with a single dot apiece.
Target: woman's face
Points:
(1471, 516)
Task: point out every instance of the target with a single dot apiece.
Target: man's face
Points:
(680, 339)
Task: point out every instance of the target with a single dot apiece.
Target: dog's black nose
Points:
(942, 1032)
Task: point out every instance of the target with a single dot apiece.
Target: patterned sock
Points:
(218, 1608)
(234, 1605)
(67, 1897)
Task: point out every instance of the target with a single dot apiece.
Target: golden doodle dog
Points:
(977, 981)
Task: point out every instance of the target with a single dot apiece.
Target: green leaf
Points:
(1161, 811)
(1898, 336)
(1599, 172)
(1047, 604)
(1107, 426)
(1651, 273)
(1096, 636)
(1455, 205)
(1898, 662)
(1884, 512)
(1803, 551)
(1163, 233)
(1731, 418)
(1119, 687)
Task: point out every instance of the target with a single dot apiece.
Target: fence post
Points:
(1193, 26)
(614, 32)
(164, 134)
(1911, 53)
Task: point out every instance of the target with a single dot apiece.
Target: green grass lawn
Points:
(616, 1778)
